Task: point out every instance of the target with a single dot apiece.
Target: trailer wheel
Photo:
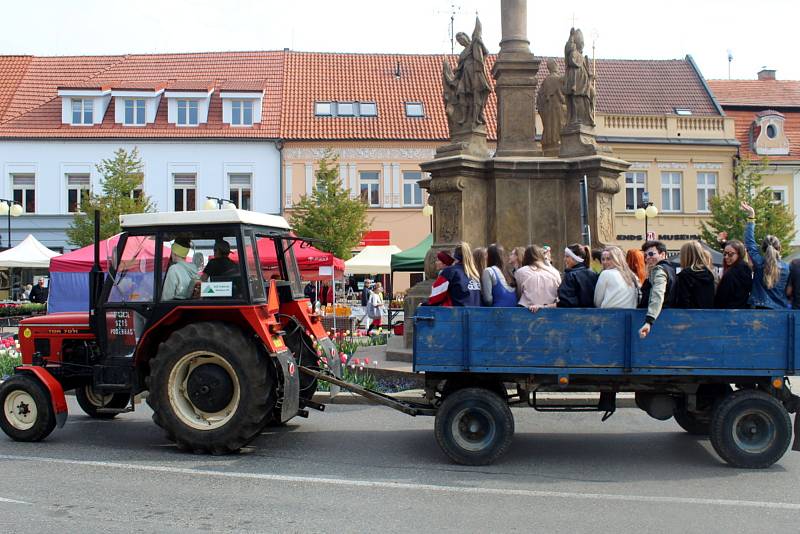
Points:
(474, 426)
(750, 429)
(28, 413)
(90, 401)
(210, 388)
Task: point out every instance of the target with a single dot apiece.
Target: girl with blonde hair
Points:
(461, 280)
(537, 282)
(770, 274)
(696, 281)
(618, 285)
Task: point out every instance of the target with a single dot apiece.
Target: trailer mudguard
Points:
(290, 403)
(53, 387)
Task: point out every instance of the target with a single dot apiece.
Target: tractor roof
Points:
(179, 218)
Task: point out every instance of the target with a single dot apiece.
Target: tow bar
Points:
(409, 408)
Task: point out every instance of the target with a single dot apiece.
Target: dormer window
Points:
(242, 112)
(767, 134)
(134, 112)
(82, 111)
(188, 113)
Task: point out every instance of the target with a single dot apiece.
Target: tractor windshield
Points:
(134, 276)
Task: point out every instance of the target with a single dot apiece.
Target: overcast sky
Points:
(758, 33)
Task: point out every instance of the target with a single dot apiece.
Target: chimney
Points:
(766, 74)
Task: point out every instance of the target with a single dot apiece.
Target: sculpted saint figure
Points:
(467, 88)
(551, 104)
(578, 85)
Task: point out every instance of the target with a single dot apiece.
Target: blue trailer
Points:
(718, 372)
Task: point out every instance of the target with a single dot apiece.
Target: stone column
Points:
(515, 84)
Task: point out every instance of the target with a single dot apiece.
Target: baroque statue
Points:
(467, 88)
(550, 102)
(578, 87)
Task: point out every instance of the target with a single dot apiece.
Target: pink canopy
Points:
(81, 260)
(309, 259)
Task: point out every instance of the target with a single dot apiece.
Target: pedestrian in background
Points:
(734, 287)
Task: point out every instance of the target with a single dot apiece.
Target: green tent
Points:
(413, 259)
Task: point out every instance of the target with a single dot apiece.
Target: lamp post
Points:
(648, 212)
(218, 203)
(11, 208)
(428, 212)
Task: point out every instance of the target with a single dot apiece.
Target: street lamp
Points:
(427, 211)
(218, 203)
(11, 208)
(648, 212)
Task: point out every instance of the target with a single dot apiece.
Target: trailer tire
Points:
(474, 426)
(226, 405)
(90, 402)
(28, 413)
(750, 429)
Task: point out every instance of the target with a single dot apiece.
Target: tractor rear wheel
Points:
(28, 413)
(210, 388)
(90, 401)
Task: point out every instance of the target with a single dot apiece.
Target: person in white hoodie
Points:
(617, 286)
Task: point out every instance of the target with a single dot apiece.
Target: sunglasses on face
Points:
(729, 254)
(651, 254)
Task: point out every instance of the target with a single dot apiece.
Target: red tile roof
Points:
(35, 108)
(293, 81)
(624, 86)
(757, 93)
(190, 85)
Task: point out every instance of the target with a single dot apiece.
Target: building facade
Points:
(767, 116)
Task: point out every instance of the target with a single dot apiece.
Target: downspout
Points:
(279, 144)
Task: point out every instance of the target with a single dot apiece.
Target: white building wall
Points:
(212, 161)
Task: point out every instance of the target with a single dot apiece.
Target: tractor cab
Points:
(190, 312)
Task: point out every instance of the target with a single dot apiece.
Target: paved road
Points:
(360, 469)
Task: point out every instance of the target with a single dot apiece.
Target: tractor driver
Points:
(220, 264)
(181, 275)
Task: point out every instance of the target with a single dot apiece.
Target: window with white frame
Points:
(242, 112)
(134, 112)
(78, 189)
(671, 191)
(82, 111)
(368, 109)
(778, 195)
(323, 109)
(137, 193)
(240, 186)
(415, 109)
(634, 190)
(706, 190)
(412, 194)
(370, 184)
(188, 113)
(185, 191)
(24, 191)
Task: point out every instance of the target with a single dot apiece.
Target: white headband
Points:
(572, 255)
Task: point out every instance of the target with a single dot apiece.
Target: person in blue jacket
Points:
(462, 278)
(770, 274)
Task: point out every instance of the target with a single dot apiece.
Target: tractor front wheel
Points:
(210, 388)
(28, 414)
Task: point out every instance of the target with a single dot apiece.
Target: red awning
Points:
(375, 238)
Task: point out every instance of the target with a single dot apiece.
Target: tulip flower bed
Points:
(13, 309)
(9, 356)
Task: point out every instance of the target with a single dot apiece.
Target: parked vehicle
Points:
(219, 363)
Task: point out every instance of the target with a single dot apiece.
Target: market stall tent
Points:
(372, 260)
(29, 254)
(309, 260)
(412, 260)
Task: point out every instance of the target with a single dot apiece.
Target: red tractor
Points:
(187, 314)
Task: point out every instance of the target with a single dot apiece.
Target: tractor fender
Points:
(53, 387)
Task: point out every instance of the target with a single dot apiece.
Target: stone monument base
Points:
(467, 142)
(579, 140)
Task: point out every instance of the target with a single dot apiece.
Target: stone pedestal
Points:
(469, 142)
(579, 140)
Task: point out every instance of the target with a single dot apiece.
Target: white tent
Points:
(29, 254)
(372, 260)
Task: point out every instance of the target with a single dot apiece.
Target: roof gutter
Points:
(705, 85)
(279, 144)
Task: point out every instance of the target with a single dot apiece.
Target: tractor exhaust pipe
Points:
(95, 275)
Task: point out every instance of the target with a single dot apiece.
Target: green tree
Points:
(329, 213)
(726, 214)
(122, 177)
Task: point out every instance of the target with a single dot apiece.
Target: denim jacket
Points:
(760, 296)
